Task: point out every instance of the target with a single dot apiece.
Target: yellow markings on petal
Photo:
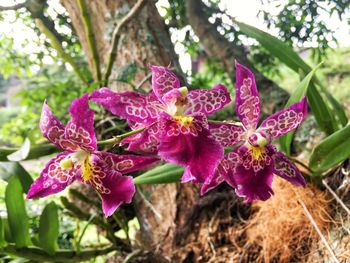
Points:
(185, 121)
(66, 163)
(87, 169)
(257, 152)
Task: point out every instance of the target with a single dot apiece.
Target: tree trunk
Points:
(144, 40)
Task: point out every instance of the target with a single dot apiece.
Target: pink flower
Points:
(250, 167)
(175, 122)
(81, 161)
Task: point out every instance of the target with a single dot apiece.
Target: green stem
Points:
(90, 37)
(47, 149)
(37, 254)
(118, 138)
(116, 36)
(56, 44)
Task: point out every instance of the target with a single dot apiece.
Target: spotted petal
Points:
(53, 178)
(53, 129)
(247, 97)
(284, 168)
(132, 106)
(191, 147)
(252, 179)
(125, 164)
(145, 142)
(80, 128)
(285, 120)
(207, 101)
(163, 80)
(114, 188)
(227, 134)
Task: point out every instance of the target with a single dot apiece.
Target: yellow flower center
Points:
(257, 152)
(79, 157)
(185, 121)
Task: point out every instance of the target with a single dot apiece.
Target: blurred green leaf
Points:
(2, 233)
(331, 151)
(35, 152)
(286, 140)
(167, 173)
(21, 153)
(10, 169)
(17, 216)
(49, 228)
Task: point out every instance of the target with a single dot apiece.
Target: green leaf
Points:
(286, 140)
(34, 153)
(286, 54)
(276, 47)
(49, 228)
(168, 173)
(17, 216)
(331, 151)
(21, 153)
(2, 233)
(7, 170)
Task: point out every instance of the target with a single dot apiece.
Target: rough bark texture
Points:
(217, 47)
(145, 40)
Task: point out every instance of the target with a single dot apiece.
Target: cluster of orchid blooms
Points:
(170, 124)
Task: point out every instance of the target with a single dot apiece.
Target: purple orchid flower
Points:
(250, 167)
(81, 161)
(175, 122)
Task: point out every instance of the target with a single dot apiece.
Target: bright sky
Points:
(244, 11)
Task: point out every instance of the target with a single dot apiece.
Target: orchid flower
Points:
(250, 167)
(175, 122)
(81, 161)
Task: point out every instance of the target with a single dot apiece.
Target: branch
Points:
(56, 44)
(116, 36)
(91, 37)
(40, 255)
(13, 7)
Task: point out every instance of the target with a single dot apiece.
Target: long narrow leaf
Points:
(331, 151)
(164, 174)
(286, 140)
(17, 215)
(49, 228)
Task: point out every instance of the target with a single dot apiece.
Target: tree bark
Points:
(218, 47)
(145, 40)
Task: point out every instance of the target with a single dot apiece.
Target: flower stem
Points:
(118, 138)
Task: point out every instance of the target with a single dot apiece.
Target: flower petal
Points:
(207, 101)
(250, 178)
(285, 120)
(80, 129)
(254, 185)
(190, 147)
(145, 142)
(133, 106)
(53, 129)
(227, 134)
(125, 164)
(53, 178)
(247, 97)
(163, 80)
(114, 188)
(284, 168)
